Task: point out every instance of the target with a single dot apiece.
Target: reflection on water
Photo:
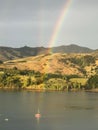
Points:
(58, 110)
(81, 107)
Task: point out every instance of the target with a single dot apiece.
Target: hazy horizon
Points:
(50, 47)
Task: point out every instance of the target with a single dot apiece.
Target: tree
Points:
(29, 81)
(92, 82)
(10, 80)
(1, 62)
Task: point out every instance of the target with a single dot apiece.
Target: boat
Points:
(38, 115)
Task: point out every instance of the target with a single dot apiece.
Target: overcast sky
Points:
(31, 23)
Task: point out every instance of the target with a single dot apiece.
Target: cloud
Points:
(34, 21)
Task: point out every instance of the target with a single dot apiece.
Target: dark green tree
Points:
(92, 82)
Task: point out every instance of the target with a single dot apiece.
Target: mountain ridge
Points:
(9, 53)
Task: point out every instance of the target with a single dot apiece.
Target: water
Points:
(59, 110)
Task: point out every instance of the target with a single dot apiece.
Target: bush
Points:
(92, 82)
(1, 62)
(83, 61)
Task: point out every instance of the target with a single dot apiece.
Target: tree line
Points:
(14, 78)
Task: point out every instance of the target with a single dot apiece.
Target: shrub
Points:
(92, 82)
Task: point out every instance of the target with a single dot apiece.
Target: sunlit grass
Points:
(82, 81)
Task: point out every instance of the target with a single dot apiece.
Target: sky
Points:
(34, 22)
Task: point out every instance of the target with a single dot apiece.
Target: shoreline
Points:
(43, 90)
(93, 90)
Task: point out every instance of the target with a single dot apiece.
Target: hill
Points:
(51, 71)
(71, 49)
(8, 53)
(59, 63)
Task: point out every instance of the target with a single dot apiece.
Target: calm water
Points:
(59, 110)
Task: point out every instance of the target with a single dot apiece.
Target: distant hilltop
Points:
(9, 53)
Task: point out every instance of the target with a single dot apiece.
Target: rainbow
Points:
(59, 23)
